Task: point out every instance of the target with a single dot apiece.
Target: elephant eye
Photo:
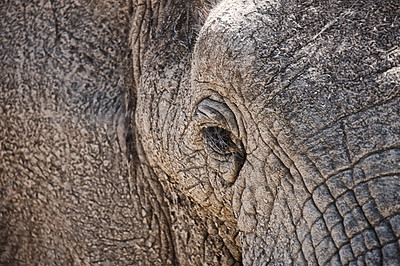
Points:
(219, 141)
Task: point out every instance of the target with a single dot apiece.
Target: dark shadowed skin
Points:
(195, 132)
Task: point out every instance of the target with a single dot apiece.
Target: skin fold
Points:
(309, 92)
(157, 132)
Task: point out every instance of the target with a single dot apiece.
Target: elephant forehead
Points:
(311, 64)
(226, 45)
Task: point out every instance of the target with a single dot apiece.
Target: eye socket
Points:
(219, 141)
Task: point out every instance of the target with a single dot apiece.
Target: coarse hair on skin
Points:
(202, 10)
(192, 18)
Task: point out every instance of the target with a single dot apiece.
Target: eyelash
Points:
(220, 142)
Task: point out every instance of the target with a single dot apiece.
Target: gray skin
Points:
(72, 188)
(283, 122)
(194, 132)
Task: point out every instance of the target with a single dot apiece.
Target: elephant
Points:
(159, 132)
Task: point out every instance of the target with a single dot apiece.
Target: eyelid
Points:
(211, 112)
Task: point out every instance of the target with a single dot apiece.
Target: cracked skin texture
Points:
(314, 89)
(72, 190)
(194, 132)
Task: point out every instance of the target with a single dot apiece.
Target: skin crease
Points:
(157, 132)
(72, 189)
(314, 89)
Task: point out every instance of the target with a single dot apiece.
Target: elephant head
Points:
(201, 132)
(281, 120)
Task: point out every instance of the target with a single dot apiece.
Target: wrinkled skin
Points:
(284, 122)
(195, 132)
